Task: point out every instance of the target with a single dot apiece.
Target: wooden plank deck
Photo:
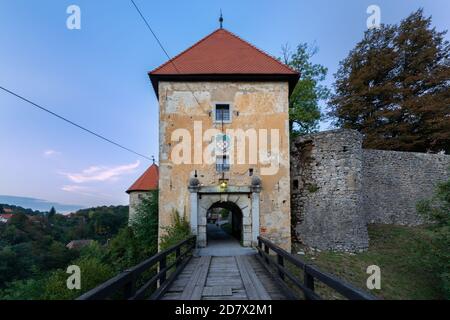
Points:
(224, 278)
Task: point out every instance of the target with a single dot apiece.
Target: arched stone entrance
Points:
(244, 200)
(234, 220)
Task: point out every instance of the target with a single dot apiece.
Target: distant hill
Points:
(38, 204)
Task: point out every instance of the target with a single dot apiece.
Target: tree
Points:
(394, 88)
(51, 213)
(145, 223)
(304, 109)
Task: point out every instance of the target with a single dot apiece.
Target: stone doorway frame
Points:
(246, 198)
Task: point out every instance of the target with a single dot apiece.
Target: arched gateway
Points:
(242, 202)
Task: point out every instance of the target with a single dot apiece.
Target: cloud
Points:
(50, 153)
(72, 188)
(101, 173)
(86, 191)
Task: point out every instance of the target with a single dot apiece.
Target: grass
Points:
(395, 249)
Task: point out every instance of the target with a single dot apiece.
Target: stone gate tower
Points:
(224, 138)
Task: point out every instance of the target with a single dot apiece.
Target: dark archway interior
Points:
(235, 228)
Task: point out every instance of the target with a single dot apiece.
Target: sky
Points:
(97, 77)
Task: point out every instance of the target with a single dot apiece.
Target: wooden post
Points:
(280, 261)
(266, 250)
(259, 246)
(308, 280)
(129, 288)
(177, 255)
(162, 265)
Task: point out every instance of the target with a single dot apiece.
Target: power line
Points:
(154, 35)
(73, 123)
(163, 49)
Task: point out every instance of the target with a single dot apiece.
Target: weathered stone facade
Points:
(255, 106)
(338, 187)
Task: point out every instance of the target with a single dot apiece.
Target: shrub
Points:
(93, 273)
(28, 289)
(125, 251)
(437, 211)
(178, 231)
(145, 223)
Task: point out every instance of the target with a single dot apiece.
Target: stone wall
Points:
(393, 182)
(135, 200)
(326, 176)
(338, 187)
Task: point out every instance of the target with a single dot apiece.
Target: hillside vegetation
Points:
(32, 243)
(399, 251)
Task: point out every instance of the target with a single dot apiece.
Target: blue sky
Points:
(97, 77)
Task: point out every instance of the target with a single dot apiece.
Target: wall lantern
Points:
(223, 184)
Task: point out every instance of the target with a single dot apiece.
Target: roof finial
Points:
(221, 19)
(153, 159)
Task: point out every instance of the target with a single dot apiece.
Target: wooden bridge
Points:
(176, 274)
(224, 278)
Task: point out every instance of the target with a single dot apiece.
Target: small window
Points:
(295, 184)
(222, 163)
(222, 113)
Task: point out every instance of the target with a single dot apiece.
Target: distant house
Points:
(78, 244)
(4, 218)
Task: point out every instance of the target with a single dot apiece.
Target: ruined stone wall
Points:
(326, 176)
(338, 188)
(254, 105)
(393, 182)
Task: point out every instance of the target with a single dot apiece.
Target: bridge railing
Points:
(311, 274)
(162, 267)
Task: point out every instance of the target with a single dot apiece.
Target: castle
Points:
(224, 143)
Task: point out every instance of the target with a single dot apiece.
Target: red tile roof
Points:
(223, 56)
(222, 52)
(148, 181)
(6, 216)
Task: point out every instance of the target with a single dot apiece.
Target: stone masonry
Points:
(338, 188)
(326, 190)
(393, 182)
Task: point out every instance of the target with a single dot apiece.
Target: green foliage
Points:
(18, 209)
(27, 289)
(393, 87)
(145, 223)
(32, 244)
(224, 213)
(304, 109)
(312, 188)
(178, 231)
(125, 251)
(93, 272)
(227, 228)
(436, 254)
(392, 248)
(33, 256)
(51, 213)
